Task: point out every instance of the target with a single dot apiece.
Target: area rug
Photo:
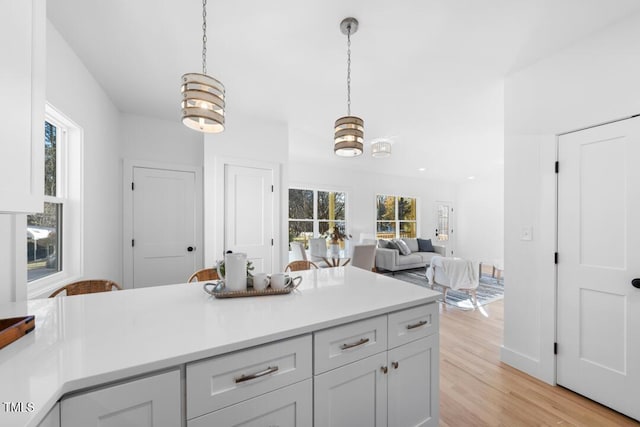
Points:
(489, 289)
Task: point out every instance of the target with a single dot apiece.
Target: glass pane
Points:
(327, 226)
(386, 230)
(50, 154)
(443, 222)
(408, 229)
(331, 205)
(300, 204)
(386, 208)
(300, 231)
(406, 209)
(44, 235)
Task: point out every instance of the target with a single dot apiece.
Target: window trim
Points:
(316, 221)
(70, 174)
(396, 221)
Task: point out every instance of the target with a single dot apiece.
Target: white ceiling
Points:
(428, 73)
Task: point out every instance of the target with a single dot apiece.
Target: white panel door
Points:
(413, 380)
(249, 214)
(164, 226)
(599, 256)
(153, 401)
(353, 395)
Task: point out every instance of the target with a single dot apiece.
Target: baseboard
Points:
(520, 361)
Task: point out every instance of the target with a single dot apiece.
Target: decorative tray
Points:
(219, 291)
(14, 328)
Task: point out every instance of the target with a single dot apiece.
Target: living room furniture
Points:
(364, 256)
(87, 287)
(203, 275)
(393, 260)
(453, 273)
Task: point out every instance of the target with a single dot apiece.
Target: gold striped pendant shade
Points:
(348, 136)
(202, 103)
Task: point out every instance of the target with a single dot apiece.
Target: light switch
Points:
(527, 233)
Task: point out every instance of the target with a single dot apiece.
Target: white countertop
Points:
(86, 340)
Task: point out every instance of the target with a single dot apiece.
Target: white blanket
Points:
(455, 273)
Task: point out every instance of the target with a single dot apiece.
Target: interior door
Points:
(164, 226)
(444, 227)
(598, 257)
(249, 214)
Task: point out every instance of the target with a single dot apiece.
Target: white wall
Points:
(594, 81)
(479, 214)
(362, 188)
(246, 139)
(74, 91)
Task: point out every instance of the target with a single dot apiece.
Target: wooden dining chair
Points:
(87, 287)
(300, 265)
(204, 275)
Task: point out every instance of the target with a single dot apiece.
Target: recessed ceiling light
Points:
(422, 169)
(471, 177)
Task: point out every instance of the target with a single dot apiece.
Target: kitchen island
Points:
(338, 319)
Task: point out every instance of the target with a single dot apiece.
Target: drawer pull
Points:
(269, 370)
(417, 325)
(355, 344)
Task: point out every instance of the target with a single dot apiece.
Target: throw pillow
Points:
(392, 245)
(383, 243)
(402, 247)
(425, 245)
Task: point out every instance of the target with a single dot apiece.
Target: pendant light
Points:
(202, 95)
(349, 130)
(381, 148)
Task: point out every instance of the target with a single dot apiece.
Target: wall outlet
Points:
(527, 233)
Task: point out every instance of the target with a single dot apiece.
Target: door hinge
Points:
(555, 348)
(272, 188)
(555, 258)
(557, 166)
(271, 242)
(133, 242)
(133, 187)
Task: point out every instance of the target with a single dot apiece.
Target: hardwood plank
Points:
(477, 389)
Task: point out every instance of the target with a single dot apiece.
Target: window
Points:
(44, 230)
(54, 237)
(314, 213)
(396, 217)
(443, 225)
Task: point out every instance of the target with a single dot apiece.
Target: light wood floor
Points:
(476, 389)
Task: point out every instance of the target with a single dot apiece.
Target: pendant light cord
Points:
(204, 37)
(348, 70)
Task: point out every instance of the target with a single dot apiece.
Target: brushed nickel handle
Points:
(417, 325)
(384, 369)
(355, 344)
(395, 365)
(269, 370)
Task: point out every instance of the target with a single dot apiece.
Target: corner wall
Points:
(586, 84)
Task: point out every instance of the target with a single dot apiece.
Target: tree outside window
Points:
(396, 216)
(314, 213)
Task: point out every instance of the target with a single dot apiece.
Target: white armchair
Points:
(453, 273)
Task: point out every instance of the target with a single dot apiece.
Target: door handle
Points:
(636, 283)
(191, 249)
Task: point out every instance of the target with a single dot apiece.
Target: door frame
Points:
(214, 230)
(127, 211)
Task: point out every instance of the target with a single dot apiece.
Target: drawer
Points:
(221, 381)
(412, 324)
(347, 343)
(290, 406)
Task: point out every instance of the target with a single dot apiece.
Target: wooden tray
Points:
(222, 293)
(15, 327)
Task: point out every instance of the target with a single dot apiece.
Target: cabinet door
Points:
(152, 401)
(22, 79)
(352, 395)
(413, 395)
(289, 406)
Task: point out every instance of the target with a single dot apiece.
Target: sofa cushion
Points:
(411, 259)
(402, 247)
(426, 256)
(412, 243)
(425, 245)
(384, 244)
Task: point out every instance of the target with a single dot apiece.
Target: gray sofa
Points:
(393, 260)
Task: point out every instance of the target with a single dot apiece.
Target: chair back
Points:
(299, 253)
(204, 275)
(364, 256)
(87, 287)
(300, 265)
(317, 249)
